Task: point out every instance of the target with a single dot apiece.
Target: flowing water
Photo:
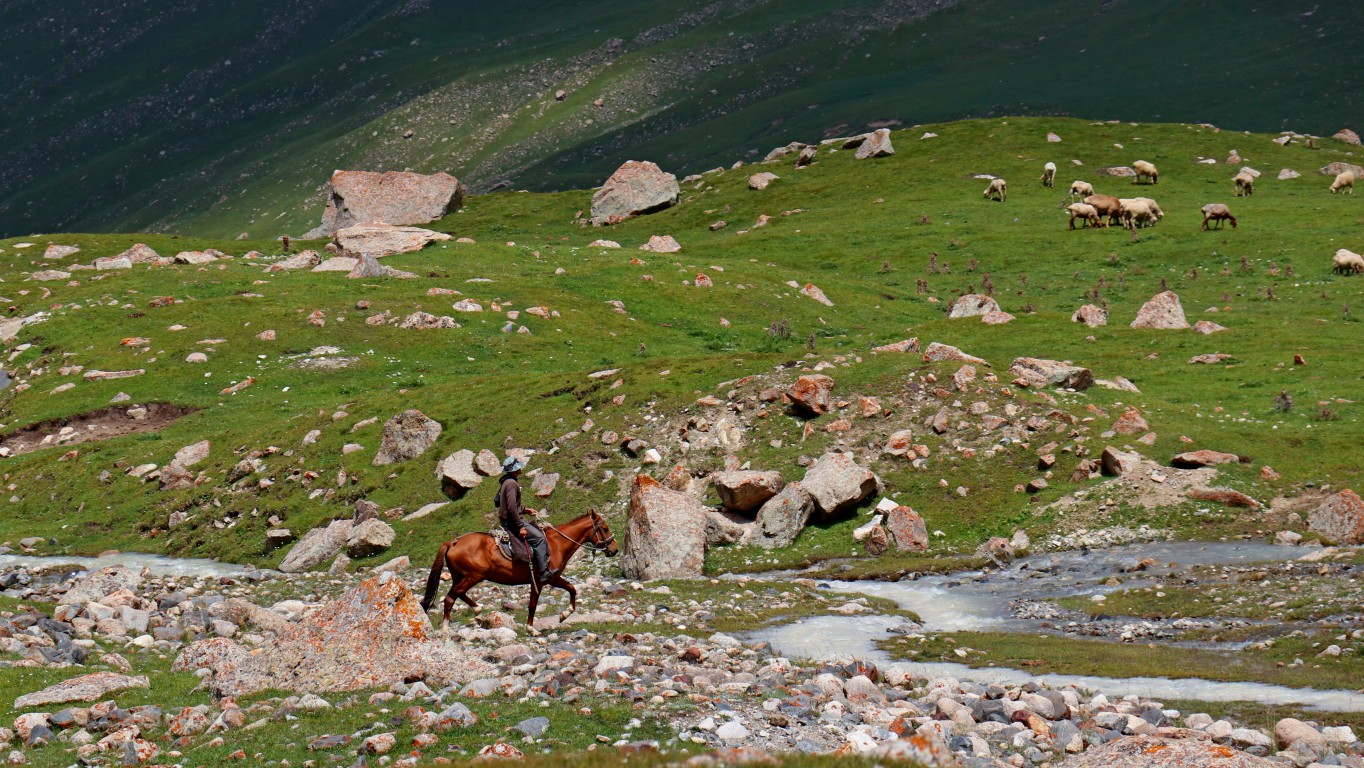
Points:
(159, 565)
(980, 601)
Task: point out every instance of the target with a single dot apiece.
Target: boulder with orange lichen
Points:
(371, 636)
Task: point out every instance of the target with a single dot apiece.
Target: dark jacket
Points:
(509, 507)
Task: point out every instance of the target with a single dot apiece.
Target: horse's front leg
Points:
(562, 583)
(534, 601)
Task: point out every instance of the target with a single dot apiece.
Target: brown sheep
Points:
(1106, 206)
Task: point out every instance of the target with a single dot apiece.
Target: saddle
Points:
(514, 549)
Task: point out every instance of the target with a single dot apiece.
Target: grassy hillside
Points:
(863, 231)
(216, 121)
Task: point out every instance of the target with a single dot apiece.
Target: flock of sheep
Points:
(1095, 210)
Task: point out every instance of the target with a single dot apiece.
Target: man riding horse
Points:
(511, 514)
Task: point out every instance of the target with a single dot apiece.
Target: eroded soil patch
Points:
(101, 424)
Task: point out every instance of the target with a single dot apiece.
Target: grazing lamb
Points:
(1219, 213)
(1145, 170)
(1087, 213)
(1049, 175)
(1344, 180)
(1245, 184)
(1137, 213)
(998, 189)
(1081, 189)
(1106, 206)
(1347, 262)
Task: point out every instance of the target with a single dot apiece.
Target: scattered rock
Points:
(317, 546)
(1340, 519)
(746, 490)
(907, 529)
(91, 687)
(1041, 373)
(760, 180)
(406, 436)
(781, 519)
(837, 483)
(811, 394)
(635, 189)
(395, 198)
(875, 144)
(661, 244)
(1090, 315)
(369, 538)
(665, 533)
(972, 305)
(372, 636)
(379, 240)
(1203, 458)
(1162, 311)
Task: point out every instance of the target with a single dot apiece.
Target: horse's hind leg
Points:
(562, 583)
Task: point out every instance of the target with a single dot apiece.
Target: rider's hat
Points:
(513, 463)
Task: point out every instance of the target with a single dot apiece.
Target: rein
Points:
(596, 546)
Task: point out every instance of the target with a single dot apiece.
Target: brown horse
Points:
(475, 557)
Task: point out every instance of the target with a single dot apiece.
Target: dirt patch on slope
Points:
(92, 426)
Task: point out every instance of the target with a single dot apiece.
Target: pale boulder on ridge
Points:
(635, 189)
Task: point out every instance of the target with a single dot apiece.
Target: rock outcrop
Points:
(635, 189)
(665, 534)
(396, 198)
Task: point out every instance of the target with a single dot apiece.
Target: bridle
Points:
(598, 530)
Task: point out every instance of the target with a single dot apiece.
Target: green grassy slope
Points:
(220, 121)
(864, 237)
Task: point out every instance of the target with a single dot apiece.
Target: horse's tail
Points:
(433, 581)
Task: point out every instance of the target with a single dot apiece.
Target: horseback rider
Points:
(512, 516)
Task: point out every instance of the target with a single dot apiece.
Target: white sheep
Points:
(998, 188)
(1245, 184)
(1136, 213)
(1155, 207)
(1088, 213)
(1347, 262)
(1049, 175)
(1145, 170)
(1081, 189)
(1219, 213)
(1344, 180)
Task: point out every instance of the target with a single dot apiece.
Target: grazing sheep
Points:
(1087, 213)
(998, 188)
(1347, 262)
(1155, 208)
(1245, 184)
(1049, 175)
(1137, 213)
(1219, 213)
(1081, 189)
(1106, 206)
(1145, 170)
(1344, 180)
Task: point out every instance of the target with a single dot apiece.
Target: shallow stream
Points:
(980, 601)
(159, 565)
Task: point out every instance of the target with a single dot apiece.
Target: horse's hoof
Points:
(563, 616)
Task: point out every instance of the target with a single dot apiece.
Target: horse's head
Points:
(602, 539)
